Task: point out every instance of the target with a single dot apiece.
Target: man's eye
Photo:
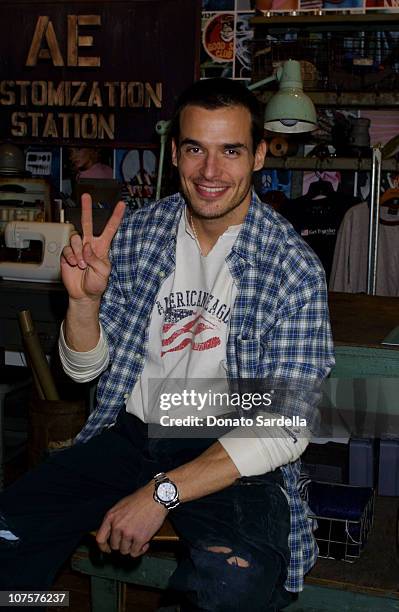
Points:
(231, 152)
(193, 150)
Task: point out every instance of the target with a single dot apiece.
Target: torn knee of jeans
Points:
(219, 549)
(237, 561)
(7, 537)
(233, 559)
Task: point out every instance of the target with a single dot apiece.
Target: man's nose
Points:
(211, 166)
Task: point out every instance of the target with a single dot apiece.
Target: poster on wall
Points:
(83, 164)
(278, 6)
(102, 72)
(384, 130)
(218, 5)
(245, 5)
(332, 5)
(388, 6)
(267, 180)
(218, 44)
(243, 49)
(136, 170)
(43, 162)
(226, 45)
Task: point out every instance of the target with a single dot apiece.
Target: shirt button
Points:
(162, 274)
(125, 395)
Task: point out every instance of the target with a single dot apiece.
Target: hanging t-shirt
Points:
(317, 221)
(349, 270)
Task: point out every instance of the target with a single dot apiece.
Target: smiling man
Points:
(206, 284)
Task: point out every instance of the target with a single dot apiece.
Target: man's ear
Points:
(260, 155)
(174, 152)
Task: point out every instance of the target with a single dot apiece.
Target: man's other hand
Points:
(131, 523)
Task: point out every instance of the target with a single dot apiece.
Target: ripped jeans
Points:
(236, 540)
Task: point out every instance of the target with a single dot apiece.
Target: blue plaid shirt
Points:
(279, 324)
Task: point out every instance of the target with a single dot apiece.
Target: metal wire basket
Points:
(332, 61)
(343, 516)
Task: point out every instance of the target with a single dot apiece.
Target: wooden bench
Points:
(109, 575)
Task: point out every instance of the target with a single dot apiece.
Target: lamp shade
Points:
(290, 110)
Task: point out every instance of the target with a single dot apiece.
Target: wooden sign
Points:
(94, 71)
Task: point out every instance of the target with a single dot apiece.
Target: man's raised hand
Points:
(85, 265)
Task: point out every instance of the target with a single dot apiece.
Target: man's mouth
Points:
(210, 191)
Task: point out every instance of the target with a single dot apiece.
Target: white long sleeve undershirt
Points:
(83, 366)
(257, 455)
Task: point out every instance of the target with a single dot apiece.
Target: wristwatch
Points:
(165, 492)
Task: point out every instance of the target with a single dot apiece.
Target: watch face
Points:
(166, 491)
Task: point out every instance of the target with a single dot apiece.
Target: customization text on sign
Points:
(104, 75)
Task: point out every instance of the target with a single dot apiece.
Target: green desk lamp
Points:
(290, 110)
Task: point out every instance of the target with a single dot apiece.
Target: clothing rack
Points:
(372, 252)
(375, 165)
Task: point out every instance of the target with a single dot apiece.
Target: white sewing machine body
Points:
(53, 236)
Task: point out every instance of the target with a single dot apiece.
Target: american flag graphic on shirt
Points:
(185, 327)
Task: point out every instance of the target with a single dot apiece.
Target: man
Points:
(208, 284)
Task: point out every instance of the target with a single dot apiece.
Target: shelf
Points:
(352, 21)
(330, 163)
(347, 99)
(374, 95)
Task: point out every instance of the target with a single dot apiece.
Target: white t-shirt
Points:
(190, 319)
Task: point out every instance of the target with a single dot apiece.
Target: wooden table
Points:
(362, 320)
(359, 325)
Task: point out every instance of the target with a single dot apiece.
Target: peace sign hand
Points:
(85, 264)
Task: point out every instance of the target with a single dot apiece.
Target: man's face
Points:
(82, 158)
(215, 161)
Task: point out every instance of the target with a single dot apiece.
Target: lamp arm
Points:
(269, 79)
(162, 129)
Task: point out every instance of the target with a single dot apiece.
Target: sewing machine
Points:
(53, 236)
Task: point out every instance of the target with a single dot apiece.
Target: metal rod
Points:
(265, 81)
(372, 253)
(162, 129)
(42, 375)
(355, 164)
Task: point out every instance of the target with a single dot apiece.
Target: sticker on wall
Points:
(389, 6)
(217, 5)
(332, 5)
(243, 53)
(277, 5)
(84, 164)
(136, 169)
(273, 180)
(245, 5)
(43, 162)
(218, 37)
(39, 162)
(210, 67)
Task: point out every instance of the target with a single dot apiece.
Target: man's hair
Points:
(213, 94)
